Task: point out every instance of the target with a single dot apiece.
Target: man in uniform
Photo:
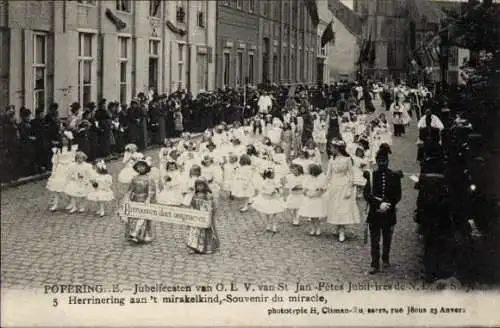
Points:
(383, 193)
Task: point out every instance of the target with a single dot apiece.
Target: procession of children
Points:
(262, 164)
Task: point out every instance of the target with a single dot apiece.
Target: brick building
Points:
(264, 40)
(66, 51)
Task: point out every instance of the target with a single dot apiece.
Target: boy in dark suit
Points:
(383, 193)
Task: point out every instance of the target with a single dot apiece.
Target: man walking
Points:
(383, 193)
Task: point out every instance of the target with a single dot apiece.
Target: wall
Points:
(62, 21)
(342, 55)
(237, 31)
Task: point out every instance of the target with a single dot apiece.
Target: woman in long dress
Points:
(203, 240)
(143, 190)
(342, 208)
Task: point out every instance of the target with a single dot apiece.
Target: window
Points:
(286, 67)
(154, 8)
(154, 58)
(276, 68)
(251, 5)
(227, 66)
(294, 67)
(276, 14)
(123, 61)
(181, 13)
(123, 5)
(85, 68)
(250, 68)
(87, 2)
(286, 13)
(239, 68)
(226, 2)
(39, 70)
(202, 73)
(201, 15)
(180, 65)
(239, 4)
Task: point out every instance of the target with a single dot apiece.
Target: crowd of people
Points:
(285, 153)
(311, 154)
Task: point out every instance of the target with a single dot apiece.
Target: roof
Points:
(346, 16)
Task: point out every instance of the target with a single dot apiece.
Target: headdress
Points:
(80, 155)
(68, 135)
(101, 165)
(142, 162)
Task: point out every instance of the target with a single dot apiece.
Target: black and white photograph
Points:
(250, 162)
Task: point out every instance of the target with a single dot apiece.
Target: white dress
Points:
(281, 168)
(171, 194)
(340, 177)
(242, 185)
(213, 174)
(103, 192)
(268, 200)
(79, 178)
(313, 204)
(61, 162)
(360, 164)
(274, 134)
(319, 131)
(296, 192)
(228, 174)
(127, 173)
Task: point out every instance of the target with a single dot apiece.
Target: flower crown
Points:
(101, 165)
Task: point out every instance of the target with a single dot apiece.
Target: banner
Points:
(167, 214)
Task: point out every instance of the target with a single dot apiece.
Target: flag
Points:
(328, 35)
(312, 7)
(367, 50)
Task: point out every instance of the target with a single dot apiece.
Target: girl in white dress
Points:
(280, 162)
(212, 172)
(303, 160)
(130, 157)
(229, 168)
(293, 183)
(242, 185)
(189, 184)
(154, 173)
(62, 159)
(181, 146)
(268, 201)
(342, 207)
(360, 165)
(313, 152)
(274, 133)
(319, 131)
(102, 184)
(164, 154)
(78, 186)
(313, 205)
(171, 186)
(188, 157)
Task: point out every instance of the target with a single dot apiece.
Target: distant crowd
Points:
(102, 130)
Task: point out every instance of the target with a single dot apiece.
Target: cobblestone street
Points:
(40, 247)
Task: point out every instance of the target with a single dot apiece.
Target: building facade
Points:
(343, 53)
(85, 50)
(261, 40)
(398, 28)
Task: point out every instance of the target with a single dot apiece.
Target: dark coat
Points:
(386, 187)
